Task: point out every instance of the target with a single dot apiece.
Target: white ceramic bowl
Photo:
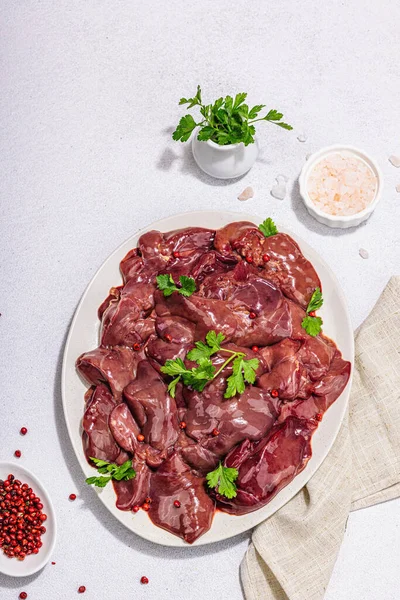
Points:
(341, 222)
(224, 162)
(84, 333)
(33, 562)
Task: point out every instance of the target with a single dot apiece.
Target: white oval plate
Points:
(33, 562)
(83, 336)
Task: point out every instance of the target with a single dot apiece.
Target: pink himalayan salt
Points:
(395, 160)
(246, 194)
(342, 184)
(278, 190)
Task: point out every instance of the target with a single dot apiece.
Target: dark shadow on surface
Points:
(18, 582)
(304, 217)
(188, 166)
(94, 504)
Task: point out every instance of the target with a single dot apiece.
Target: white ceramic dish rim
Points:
(316, 157)
(224, 526)
(26, 568)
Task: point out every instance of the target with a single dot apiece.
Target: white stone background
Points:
(89, 93)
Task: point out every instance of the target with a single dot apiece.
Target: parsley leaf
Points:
(188, 285)
(274, 116)
(172, 386)
(206, 133)
(98, 481)
(243, 370)
(167, 285)
(203, 350)
(312, 325)
(249, 369)
(118, 472)
(174, 367)
(184, 129)
(316, 300)
(268, 227)
(197, 377)
(223, 479)
(255, 110)
(192, 101)
(214, 340)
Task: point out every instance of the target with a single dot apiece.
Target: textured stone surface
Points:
(88, 103)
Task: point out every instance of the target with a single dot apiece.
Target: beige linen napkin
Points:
(292, 554)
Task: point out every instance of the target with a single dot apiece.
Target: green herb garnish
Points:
(118, 472)
(313, 324)
(268, 227)
(167, 285)
(227, 121)
(244, 370)
(223, 479)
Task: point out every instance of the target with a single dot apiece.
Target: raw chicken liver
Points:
(255, 291)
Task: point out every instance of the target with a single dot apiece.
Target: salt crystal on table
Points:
(395, 160)
(246, 194)
(278, 191)
(363, 253)
(398, 188)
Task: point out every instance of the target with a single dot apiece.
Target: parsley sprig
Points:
(118, 472)
(268, 227)
(223, 479)
(313, 324)
(228, 121)
(168, 286)
(244, 370)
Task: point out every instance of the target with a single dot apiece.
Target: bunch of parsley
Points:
(227, 121)
(244, 370)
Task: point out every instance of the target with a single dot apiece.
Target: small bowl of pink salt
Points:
(341, 186)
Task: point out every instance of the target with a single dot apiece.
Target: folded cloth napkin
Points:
(292, 553)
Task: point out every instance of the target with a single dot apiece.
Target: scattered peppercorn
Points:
(177, 504)
(23, 595)
(144, 580)
(140, 437)
(274, 393)
(318, 416)
(81, 589)
(215, 432)
(252, 315)
(312, 313)
(146, 506)
(255, 348)
(52, 562)
(148, 500)
(136, 508)
(266, 258)
(168, 337)
(182, 425)
(136, 346)
(176, 254)
(72, 497)
(249, 258)
(18, 453)
(23, 431)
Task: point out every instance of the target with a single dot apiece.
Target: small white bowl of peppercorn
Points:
(27, 522)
